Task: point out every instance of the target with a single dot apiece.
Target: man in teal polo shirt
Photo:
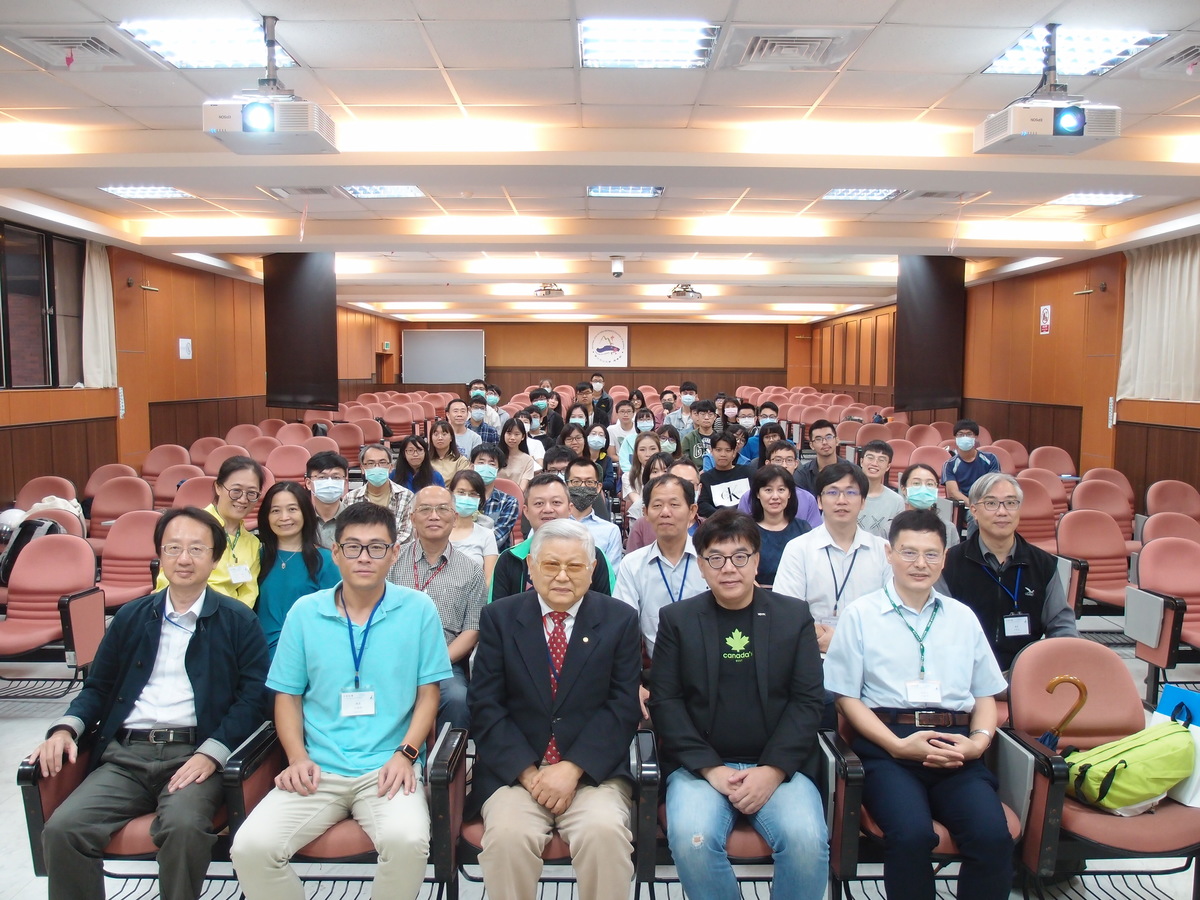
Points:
(357, 672)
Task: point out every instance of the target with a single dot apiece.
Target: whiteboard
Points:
(442, 357)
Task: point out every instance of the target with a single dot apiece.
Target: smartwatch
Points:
(409, 751)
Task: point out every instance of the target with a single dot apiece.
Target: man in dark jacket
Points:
(177, 685)
(736, 697)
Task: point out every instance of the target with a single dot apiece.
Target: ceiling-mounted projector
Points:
(270, 124)
(684, 292)
(548, 289)
(1052, 127)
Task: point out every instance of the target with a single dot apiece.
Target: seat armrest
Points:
(647, 779)
(42, 796)
(1074, 580)
(446, 775)
(1043, 822)
(846, 816)
(1139, 522)
(250, 773)
(82, 616)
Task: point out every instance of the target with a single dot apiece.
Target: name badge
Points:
(240, 574)
(1017, 625)
(358, 703)
(926, 693)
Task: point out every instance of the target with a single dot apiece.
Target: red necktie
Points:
(557, 648)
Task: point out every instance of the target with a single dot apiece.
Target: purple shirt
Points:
(806, 510)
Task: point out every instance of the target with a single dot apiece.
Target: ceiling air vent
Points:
(66, 48)
(946, 196)
(1182, 64)
(788, 51)
(782, 49)
(286, 192)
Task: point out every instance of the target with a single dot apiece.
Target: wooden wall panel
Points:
(72, 449)
(1148, 453)
(1033, 424)
(799, 353)
(856, 355)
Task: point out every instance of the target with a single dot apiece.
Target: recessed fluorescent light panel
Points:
(382, 191)
(1096, 199)
(148, 193)
(1080, 51)
(206, 43)
(646, 43)
(617, 190)
(862, 194)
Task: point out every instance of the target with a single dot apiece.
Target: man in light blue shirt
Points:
(583, 486)
(357, 672)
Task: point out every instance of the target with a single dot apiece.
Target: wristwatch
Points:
(410, 751)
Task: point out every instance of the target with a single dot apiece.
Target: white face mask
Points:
(598, 386)
(746, 421)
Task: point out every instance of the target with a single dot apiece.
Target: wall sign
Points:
(608, 345)
(1045, 320)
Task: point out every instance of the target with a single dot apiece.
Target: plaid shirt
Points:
(502, 509)
(400, 503)
(487, 434)
(455, 584)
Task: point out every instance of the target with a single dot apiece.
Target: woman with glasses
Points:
(597, 441)
(520, 466)
(444, 455)
(235, 492)
(574, 438)
(774, 505)
(472, 533)
(643, 421)
(413, 467)
(919, 488)
(375, 460)
(292, 564)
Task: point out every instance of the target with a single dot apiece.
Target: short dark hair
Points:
(665, 392)
(879, 447)
(494, 449)
(746, 404)
(219, 539)
(539, 394)
(783, 445)
(907, 473)
(835, 472)
(364, 513)
(726, 524)
(326, 459)
(236, 464)
(704, 406)
(921, 520)
(582, 386)
(666, 480)
(476, 400)
(599, 375)
(623, 403)
(556, 453)
(728, 436)
(821, 423)
(689, 386)
(967, 425)
(475, 381)
(590, 463)
(450, 403)
(762, 477)
(541, 479)
(768, 404)
(495, 388)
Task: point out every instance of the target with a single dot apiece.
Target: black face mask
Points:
(582, 497)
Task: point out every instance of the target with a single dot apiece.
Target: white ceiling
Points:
(484, 105)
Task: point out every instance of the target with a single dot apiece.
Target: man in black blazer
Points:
(554, 706)
(736, 697)
(177, 685)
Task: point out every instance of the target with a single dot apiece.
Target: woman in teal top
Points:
(292, 563)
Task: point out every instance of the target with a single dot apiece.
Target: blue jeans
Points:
(792, 822)
(452, 707)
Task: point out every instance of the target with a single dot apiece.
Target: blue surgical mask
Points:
(487, 472)
(329, 489)
(376, 477)
(534, 423)
(492, 400)
(767, 420)
(669, 446)
(921, 496)
(596, 442)
(575, 420)
(688, 399)
(965, 442)
(466, 506)
(645, 424)
(477, 415)
(541, 404)
(477, 393)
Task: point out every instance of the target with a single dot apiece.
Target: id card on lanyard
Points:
(1016, 623)
(239, 573)
(359, 700)
(922, 691)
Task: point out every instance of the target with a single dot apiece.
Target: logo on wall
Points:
(608, 345)
(1044, 323)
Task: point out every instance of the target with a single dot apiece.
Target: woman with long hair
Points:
(520, 467)
(645, 447)
(597, 441)
(472, 533)
(292, 564)
(774, 506)
(643, 421)
(574, 438)
(413, 467)
(443, 454)
(668, 435)
(768, 436)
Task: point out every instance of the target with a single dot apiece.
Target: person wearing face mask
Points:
(477, 410)
(643, 421)
(325, 476)
(535, 430)
(474, 533)
(492, 396)
(501, 508)
(597, 442)
(546, 403)
(457, 413)
(375, 460)
(602, 401)
(968, 464)
(883, 504)
(919, 488)
(621, 429)
(681, 418)
(726, 482)
(583, 487)
(671, 441)
(478, 388)
(669, 401)
(579, 414)
(727, 413)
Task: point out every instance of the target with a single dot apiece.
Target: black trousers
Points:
(905, 797)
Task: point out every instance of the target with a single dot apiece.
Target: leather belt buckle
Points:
(928, 719)
(151, 735)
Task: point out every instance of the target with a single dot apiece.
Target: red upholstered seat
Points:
(945, 845)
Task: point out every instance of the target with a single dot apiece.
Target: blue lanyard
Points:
(1014, 593)
(357, 654)
(687, 561)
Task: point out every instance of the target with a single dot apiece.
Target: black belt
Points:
(158, 735)
(924, 718)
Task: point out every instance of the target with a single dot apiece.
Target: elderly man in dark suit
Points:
(554, 706)
(736, 698)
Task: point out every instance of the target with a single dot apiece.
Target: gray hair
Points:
(563, 529)
(984, 485)
(366, 447)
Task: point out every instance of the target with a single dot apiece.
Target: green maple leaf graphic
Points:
(737, 641)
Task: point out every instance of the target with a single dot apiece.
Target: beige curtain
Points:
(99, 330)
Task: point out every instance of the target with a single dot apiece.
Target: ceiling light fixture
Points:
(673, 307)
(626, 191)
(1080, 51)
(684, 292)
(148, 193)
(646, 43)
(862, 194)
(548, 289)
(1084, 198)
(205, 43)
(382, 191)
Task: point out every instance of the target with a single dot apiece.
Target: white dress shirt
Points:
(607, 537)
(548, 623)
(648, 588)
(815, 569)
(167, 700)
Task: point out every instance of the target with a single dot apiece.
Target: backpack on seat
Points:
(1129, 776)
(26, 532)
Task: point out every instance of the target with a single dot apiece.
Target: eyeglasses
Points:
(717, 560)
(196, 551)
(823, 438)
(442, 509)
(376, 464)
(553, 569)
(353, 549)
(1012, 504)
(238, 493)
(834, 494)
(911, 556)
(875, 458)
(575, 482)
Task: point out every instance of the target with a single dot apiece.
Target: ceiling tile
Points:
(887, 89)
(119, 10)
(991, 92)
(908, 48)
(649, 86)
(134, 88)
(410, 87)
(812, 12)
(708, 10)
(411, 114)
(362, 44)
(614, 214)
(530, 87)
(291, 10)
(166, 118)
(734, 116)
(1014, 13)
(1173, 125)
(10, 62)
(733, 87)
(825, 113)
(596, 116)
(20, 90)
(1161, 15)
(1149, 96)
(99, 117)
(566, 116)
(504, 45)
(473, 10)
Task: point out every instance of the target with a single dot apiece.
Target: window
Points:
(41, 308)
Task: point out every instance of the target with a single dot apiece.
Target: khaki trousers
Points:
(516, 829)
